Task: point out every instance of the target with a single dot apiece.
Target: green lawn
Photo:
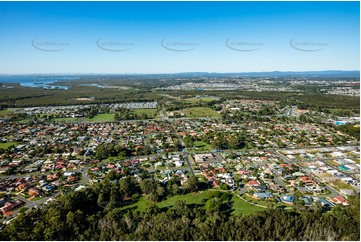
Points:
(200, 112)
(190, 198)
(37, 198)
(202, 145)
(239, 206)
(104, 117)
(332, 163)
(6, 112)
(141, 205)
(65, 119)
(23, 121)
(7, 145)
(112, 159)
(150, 112)
(256, 201)
(338, 184)
(202, 99)
(243, 208)
(208, 99)
(298, 157)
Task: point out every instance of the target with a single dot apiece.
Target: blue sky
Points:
(169, 37)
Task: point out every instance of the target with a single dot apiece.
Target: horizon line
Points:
(168, 73)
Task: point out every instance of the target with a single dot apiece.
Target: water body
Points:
(95, 85)
(46, 82)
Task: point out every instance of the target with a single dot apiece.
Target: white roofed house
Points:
(178, 163)
(68, 173)
(346, 192)
(348, 180)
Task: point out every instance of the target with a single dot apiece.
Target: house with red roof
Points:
(20, 180)
(22, 187)
(182, 133)
(52, 177)
(60, 166)
(9, 206)
(253, 183)
(243, 172)
(307, 181)
(72, 178)
(215, 183)
(285, 165)
(340, 200)
(34, 191)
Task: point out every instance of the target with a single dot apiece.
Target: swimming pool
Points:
(344, 168)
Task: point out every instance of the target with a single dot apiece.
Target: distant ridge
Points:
(330, 73)
(320, 74)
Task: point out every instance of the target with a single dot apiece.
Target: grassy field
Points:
(150, 112)
(141, 205)
(7, 145)
(338, 184)
(65, 119)
(239, 206)
(200, 112)
(201, 145)
(24, 120)
(333, 163)
(256, 201)
(104, 117)
(202, 99)
(6, 112)
(190, 198)
(243, 208)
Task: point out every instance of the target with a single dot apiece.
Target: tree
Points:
(111, 175)
(192, 183)
(175, 189)
(102, 151)
(125, 186)
(181, 208)
(213, 205)
(226, 196)
(298, 194)
(160, 191)
(270, 205)
(152, 197)
(224, 186)
(70, 219)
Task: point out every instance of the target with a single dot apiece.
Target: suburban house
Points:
(339, 200)
(263, 195)
(253, 183)
(288, 199)
(34, 191)
(9, 206)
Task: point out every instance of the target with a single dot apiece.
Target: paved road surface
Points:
(189, 164)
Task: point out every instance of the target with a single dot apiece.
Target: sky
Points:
(172, 37)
